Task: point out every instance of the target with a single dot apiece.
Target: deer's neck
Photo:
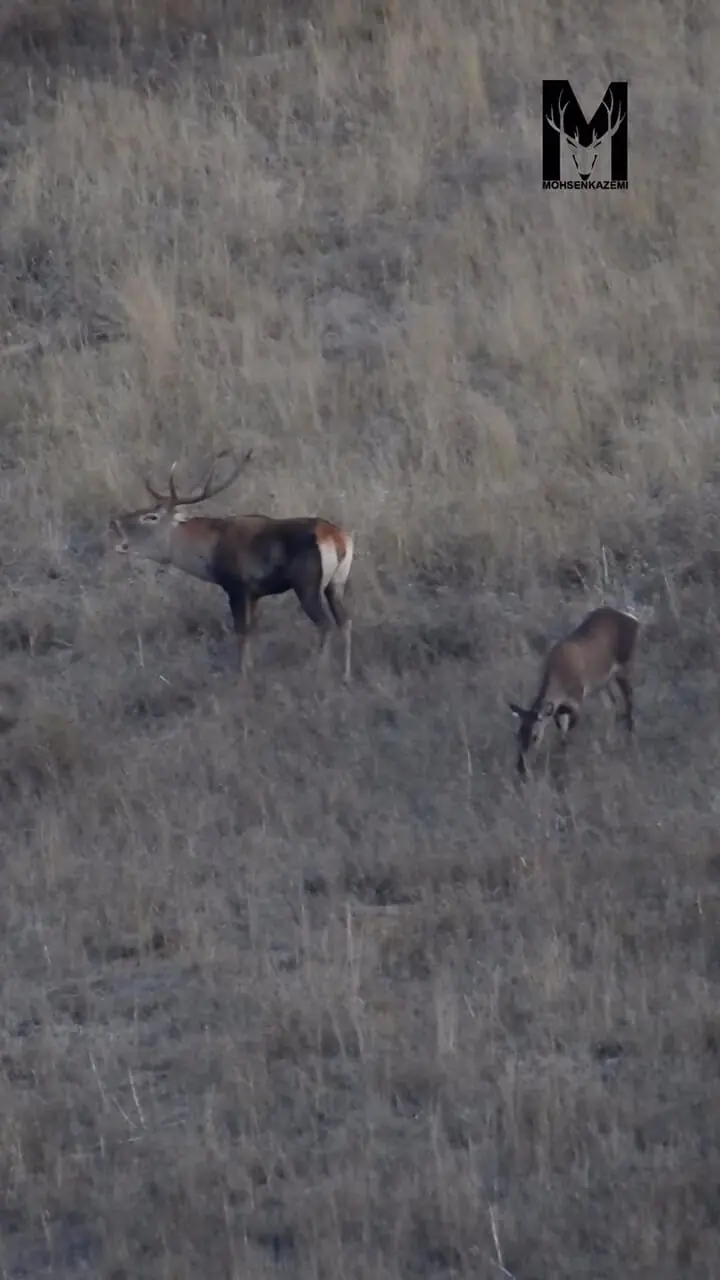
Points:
(192, 548)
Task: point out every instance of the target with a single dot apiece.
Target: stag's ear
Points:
(516, 710)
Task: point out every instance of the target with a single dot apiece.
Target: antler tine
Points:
(154, 493)
(210, 491)
(551, 121)
(613, 128)
(172, 491)
(144, 478)
(559, 128)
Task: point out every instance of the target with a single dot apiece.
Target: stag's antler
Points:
(154, 493)
(208, 490)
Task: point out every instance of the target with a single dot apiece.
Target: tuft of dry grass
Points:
(297, 981)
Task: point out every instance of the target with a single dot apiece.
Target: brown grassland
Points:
(297, 980)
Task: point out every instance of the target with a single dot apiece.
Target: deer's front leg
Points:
(243, 608)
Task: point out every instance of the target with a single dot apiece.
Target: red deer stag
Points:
(600, 650)
(248, 556)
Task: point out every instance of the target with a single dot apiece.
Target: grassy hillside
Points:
(297, 981)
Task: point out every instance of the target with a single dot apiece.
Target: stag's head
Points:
(147, 532)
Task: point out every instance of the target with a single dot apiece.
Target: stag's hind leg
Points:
(307, 585)
(334, 596)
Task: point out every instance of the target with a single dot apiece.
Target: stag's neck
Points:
(192, 548)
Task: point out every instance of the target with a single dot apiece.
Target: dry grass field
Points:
(297, 980)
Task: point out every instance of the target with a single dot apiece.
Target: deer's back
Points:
(602, 642)
(608, 631)
(264, 551)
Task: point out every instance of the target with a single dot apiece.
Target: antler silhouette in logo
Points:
(585, 158)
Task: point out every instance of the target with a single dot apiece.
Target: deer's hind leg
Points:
(334, 595)
(609, 695)
(307, 585)
(624, 684)
(566, 718)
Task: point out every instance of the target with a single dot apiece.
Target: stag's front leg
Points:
(243, 608)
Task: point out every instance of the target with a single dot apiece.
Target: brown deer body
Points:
(250, 557)
(597, 653)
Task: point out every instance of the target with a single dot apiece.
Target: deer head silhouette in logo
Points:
(585, 157)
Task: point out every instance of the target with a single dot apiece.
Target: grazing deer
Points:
(248, 556)
(597, 652)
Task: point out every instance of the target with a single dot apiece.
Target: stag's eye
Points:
(151, 517)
